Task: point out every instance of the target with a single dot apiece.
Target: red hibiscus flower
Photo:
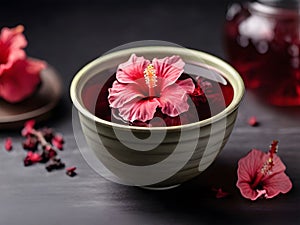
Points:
(143, 86)
(262, 174)
(19, 76)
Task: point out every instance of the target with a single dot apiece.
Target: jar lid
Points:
(286, 4)
(280, 8)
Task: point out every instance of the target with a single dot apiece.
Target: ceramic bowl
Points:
(156, 157)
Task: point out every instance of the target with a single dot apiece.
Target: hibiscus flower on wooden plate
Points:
(29, 88)
(37, 106)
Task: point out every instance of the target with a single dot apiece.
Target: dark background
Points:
(69, 34)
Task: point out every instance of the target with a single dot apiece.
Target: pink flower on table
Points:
(143, 86)
(19, 75)
(262, 174)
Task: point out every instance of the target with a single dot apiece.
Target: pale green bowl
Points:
(181, 152)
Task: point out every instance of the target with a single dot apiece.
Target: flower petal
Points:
(12, 42)
(247, 169)
(187, 85)
(132, 70)
(250, 164)
(277, 183)
(248, 192)
(13, 37)
(8, 144)
(220, 193)
(121, 94)
(142, 110)
(168, 70)
(173, 100)
(20, 80)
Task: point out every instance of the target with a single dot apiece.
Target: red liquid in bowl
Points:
(95, 95)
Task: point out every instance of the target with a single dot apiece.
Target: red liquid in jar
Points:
(95, 95)
(264, 47)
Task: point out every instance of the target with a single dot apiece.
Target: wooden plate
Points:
(37, 106)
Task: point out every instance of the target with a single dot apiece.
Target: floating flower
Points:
(262, 174)
(143, 86)
(19, 75)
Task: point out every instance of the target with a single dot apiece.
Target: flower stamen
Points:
(267, 167)
(150, 78)
(19, 29)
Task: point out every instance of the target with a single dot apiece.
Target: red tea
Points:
(264, 47)
(203, 103)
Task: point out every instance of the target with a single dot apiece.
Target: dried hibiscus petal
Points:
(220, 193)
(54, 164)
(41, 145)
(30, 143)
(51, 152)
(59, 138)
(28, 126)
(8, 144)
(32, 158)
(58, 141)
(47, 133)
(70, 171)
(48, 153)
(252, 121)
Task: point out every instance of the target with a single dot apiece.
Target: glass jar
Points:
(262, 41)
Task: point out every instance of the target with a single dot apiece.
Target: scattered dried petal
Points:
(54, 164)
(47, 133)
(220, 193)
(44, 138)
(70, 171)
(32, 158)
(48, 153)
(28, 126)
(252, 121)
(30, 143)
(58, 141)
(8, 144)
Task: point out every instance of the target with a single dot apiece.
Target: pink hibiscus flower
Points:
(262, 174)
(142, 87)
(19, 76)
(12, 42)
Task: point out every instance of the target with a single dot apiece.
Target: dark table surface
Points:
(70, 34)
